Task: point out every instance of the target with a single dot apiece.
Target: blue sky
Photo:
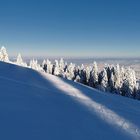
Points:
(76, 28)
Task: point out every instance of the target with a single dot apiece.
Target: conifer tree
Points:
(4, 54)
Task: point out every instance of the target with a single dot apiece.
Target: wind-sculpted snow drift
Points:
(35, 105)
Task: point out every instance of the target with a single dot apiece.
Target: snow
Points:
(35, 105)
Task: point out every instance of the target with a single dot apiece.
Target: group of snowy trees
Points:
(19, 61)
(111, 79)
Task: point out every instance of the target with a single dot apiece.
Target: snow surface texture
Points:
(40, 106)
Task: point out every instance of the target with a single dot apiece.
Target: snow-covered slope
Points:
(38, 106)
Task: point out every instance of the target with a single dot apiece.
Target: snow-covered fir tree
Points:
(117, 78)
(103, 80)
(129, 84)
(19, 61)
(70, 71)
(44, 65)
(88, 70)
(61, 64)
(4, 54)
(76, 72)
(56, 68)
(82, 74)
(122, 75)
(67, 75)
(66, 66)
(111, 83)
(93, 80)
(49, 66)
(109, 71)
(61, 67)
